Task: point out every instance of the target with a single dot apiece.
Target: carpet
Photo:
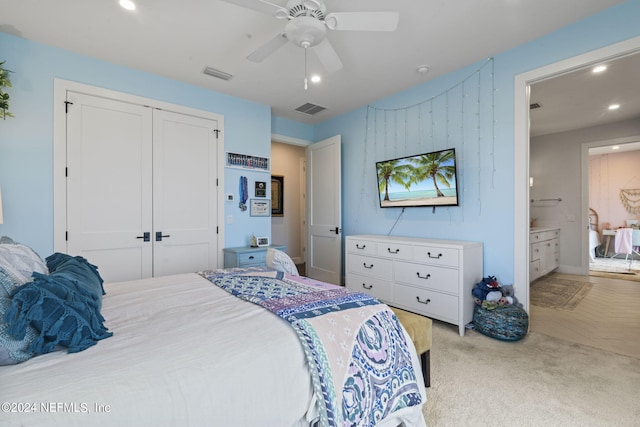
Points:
(559, 294)
(538, 381)
(615, 268)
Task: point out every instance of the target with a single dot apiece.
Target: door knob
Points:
(146, 236)
(159, 236)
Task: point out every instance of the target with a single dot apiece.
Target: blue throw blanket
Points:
(359, 359)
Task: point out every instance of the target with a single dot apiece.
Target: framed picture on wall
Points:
(259, 207)
(277, 195)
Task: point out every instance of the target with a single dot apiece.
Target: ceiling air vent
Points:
(534, 105)
(217, 73)
(310, 109)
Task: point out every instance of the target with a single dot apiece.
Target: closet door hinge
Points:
(217, 230)
(66, 236)
(66, 172)
(217, 132)
(66, 106)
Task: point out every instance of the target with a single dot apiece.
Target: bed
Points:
(187, 351)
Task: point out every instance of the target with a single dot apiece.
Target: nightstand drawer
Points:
(252, 258)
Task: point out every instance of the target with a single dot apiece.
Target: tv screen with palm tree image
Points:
(427, 179)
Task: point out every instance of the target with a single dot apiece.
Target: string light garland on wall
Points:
(462, 116)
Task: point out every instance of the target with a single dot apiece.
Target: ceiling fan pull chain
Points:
(305, 68)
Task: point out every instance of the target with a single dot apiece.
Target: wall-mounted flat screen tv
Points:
(427, 179)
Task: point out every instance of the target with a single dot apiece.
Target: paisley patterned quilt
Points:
(359, 358)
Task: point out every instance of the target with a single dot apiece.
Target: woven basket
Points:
(506, 323)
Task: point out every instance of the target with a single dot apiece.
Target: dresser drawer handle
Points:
(422, 277)
(251, 257)
(367, 266)
(434, 257)
(393, 252)
(364, 285)
(360, 247)
(423, 302)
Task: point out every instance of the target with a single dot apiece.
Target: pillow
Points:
(63, 306)
(12, 350)
(280, 261)
(19, 261)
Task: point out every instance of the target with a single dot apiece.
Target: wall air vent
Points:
(310, 109)
(535, 105)
(210, 71)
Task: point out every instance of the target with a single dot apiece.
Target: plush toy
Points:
(509, 294)
(482, 289)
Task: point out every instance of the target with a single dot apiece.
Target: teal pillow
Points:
(63, 306)
(12, 350)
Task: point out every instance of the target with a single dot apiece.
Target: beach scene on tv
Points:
(422, 180)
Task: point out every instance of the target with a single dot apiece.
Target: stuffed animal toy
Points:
(509, 294)
(482, 289)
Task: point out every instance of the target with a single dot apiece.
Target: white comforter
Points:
(183, 353)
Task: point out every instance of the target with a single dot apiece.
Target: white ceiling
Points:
(178, 39)
(580, 99)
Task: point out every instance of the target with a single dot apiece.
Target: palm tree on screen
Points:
(392, 171)
(437, 166)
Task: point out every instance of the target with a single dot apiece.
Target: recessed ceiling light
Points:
(614, 106)
(599, 68)
(615, 147)
(316, 78)
(128, 4)
(422, 69)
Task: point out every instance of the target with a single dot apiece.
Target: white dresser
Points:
(544, 251)
(425, 276)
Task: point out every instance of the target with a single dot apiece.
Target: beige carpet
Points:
(560, 294)
(538, 381)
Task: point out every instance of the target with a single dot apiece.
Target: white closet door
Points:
(109, 185)
(185, 193)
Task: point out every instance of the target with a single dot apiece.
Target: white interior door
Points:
(184, 193)
(324, 250)
(109, 146)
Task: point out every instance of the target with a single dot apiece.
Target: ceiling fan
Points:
(307, 26)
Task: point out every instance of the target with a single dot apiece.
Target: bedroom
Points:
(487, 210)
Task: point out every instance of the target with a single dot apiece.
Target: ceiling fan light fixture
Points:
(305, 31)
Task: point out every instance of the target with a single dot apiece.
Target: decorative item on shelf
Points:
(4, 96)
(245, 161)
(277, 195)
(262, 241)
(254, 241)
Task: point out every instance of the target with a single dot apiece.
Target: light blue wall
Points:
(486, 210)
(292, 129)
(486, 213)
(26, 141)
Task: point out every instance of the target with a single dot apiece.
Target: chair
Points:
(635, 244)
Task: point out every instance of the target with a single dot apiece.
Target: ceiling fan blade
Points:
(268, 48)
(362, 21)
(258, 5)
(328, 56)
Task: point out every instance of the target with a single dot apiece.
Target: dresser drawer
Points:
(433, 304)
(436, 256)
(395, 250)
(427, 276)
(252, 258)
(380, 289)
(544, 235)
(363, 247)
(370, 266)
